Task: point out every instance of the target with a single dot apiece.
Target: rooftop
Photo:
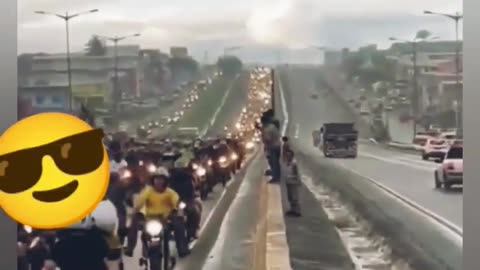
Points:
(432, 47)
(61, 79)
(123, 51)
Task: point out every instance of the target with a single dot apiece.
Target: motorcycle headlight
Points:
(222, 159)
(234, 156)
(152, 168)
(201, 171)
(194, 166)
(140, 163)
(210, 162)
(126, 174)
(249, 145)
(27, 228)
(182, 205)
(153, 227)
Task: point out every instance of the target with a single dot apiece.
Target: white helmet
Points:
(105, 216)
(86, 224)
(161, 171)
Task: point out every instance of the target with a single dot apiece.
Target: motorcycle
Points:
(36, 247)
(157, 242)
(222, 170)
(201, 175)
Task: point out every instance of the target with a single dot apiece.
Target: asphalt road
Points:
(405, 174)
(401, 132)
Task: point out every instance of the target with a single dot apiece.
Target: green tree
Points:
(95, 47)
(183, 63)
(382, 69)
(155, 69)
(229, 65)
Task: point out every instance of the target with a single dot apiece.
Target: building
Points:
(179, 52)
(46, 85)
(439, 92)
(333, 58)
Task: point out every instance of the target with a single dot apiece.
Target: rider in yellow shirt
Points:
(159, 201)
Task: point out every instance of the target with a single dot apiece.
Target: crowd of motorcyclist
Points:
(149, 180)
(156, 188)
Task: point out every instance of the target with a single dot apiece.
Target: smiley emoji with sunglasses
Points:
(54, 170)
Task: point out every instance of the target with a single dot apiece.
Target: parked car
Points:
(450, 137)
(435, 148)
(451, 171)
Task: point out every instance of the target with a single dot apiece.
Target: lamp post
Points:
(116, 93)
(230, 49)
(67, 17)
(455, 105)
(456, 18)
(414, 95)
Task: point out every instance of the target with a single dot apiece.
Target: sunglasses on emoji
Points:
(78, 154)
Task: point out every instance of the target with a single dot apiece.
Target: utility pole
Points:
(67, 17)
(117, 94)
(456, 18)
(415, 95)
(415, 102)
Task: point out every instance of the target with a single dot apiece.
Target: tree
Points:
(382, 69)
(423, 34)
(95, 47)
(229, 65)
(183, 68)
(155, 69)
(183, 63)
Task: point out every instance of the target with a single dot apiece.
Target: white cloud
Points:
(278, 23)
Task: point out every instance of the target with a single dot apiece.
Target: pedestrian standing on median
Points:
(272, 143)
(292, 180)
(285, 147)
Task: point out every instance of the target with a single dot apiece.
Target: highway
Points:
(404, 175)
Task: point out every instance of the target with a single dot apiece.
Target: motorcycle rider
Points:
(82, 246)
(170, 156)
(117, 160)
(220, 149)
(159, 201)
(182, 181)
(117, 194)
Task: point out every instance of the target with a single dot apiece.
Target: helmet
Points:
(105, 216)
(86, 224)
(161, 171)
(181, 163)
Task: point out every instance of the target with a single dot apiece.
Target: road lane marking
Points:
(222, 104)
(398, 162)
(297, 130)
(449, 227)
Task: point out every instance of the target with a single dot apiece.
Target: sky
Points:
(259, 26)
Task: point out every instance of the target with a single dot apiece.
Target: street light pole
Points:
(116, 92)
(414, 94)
(69, 63)
(456, 18)
(230, 49)
(67, 17)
